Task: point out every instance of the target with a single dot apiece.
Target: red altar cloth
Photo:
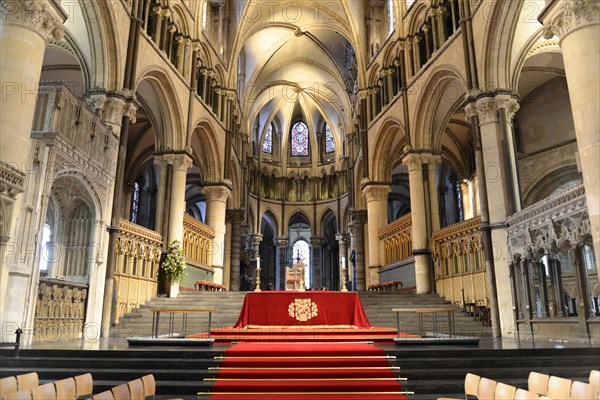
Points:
(292, 308)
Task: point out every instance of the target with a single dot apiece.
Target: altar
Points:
(302, 309)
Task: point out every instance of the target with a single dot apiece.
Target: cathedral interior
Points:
(450, 145)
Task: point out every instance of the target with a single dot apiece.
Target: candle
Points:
(343, 262)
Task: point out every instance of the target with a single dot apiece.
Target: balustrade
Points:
(397, 239)
(136, 271)
(457, 253)
(198, 239)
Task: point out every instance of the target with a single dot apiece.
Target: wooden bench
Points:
(423, 311)
(184, 312)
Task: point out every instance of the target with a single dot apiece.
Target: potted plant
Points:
(173, 265)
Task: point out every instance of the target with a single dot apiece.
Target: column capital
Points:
(486, 108)
(281, 242)
(216, 192)
(375, 192)
(562, 17)
(358, 217)
(431, 159)
(256, 238)
(316, 241)
(180, 161)
(234, 216)
(43, 17)
(413, 161)
(342, 238)
(112, 107)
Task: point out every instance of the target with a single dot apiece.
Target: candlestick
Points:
(343, 275)
(257, 289)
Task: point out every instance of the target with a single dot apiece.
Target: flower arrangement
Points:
(174, 262)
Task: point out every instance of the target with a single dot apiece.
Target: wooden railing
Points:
(59, 310)
(198, 248)
(457, 253)
(397, 239)
(136, 273)
(59, 110)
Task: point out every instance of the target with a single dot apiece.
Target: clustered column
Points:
(343, 240)
(359, 217)
(235, 218)
(281, 248)
(316, 246)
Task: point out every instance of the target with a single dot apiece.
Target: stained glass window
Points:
(329, 143)
(268, 142)
(300, 139)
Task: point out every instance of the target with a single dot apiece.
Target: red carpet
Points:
(305, 371)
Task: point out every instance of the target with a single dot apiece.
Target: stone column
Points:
(343, 240)
(577, 24)
(493, 113)
(359, 217)
(432, 160)
(316, 244)
(420, 246)
(376, 198)
(281, 248)
(235, 218)
(160, 193)
(216, 203)
(181, 163)
(466, 200)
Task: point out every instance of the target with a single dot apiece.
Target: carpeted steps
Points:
(377, 305)
(271, 370)
(180, 372)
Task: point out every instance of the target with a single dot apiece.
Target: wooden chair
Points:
(471, 386)
(27, 381)
(522, 394)
(594, 379)
(487, 389)
(8, 385)
(149, 386)
(505, 392)
(24, 394)
(84, 385)
(44, 392)
(121, 392)
(65, 389)
(136, 389)
(583, 391)
(106, 395)
(538, 383)
(559, 388)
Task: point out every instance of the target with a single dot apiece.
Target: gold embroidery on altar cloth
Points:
(303, 309)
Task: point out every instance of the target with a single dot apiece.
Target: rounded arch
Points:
(441, 98)
(205, 144)
(165, 107)
(556, 180)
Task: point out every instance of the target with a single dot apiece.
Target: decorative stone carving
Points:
(235, 216)
(11, 180)
(567, 15)
(43, 17)
(374, 192)
(358, 217)
(112, 108)
(486, 108)
(216, 193)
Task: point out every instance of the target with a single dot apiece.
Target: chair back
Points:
(583, 391)
(559, 388)
(538, 383)
(65, 389)
(44, 392)
(595, 379)
(136, 389)
(8, 385)
(472, 384)
(487, 389)
(121, 392)
(24, 394)
(149, 386)
(522, 394)
(505, 392)
(84, 385)
(106, 395)
(27, 381)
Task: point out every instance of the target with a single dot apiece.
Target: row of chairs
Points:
(137, 389)
(27, 387)
(386, 286)
(540, 387)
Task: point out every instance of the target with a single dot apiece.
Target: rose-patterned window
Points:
(299, 139)
(268, 142)
(329, 143)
